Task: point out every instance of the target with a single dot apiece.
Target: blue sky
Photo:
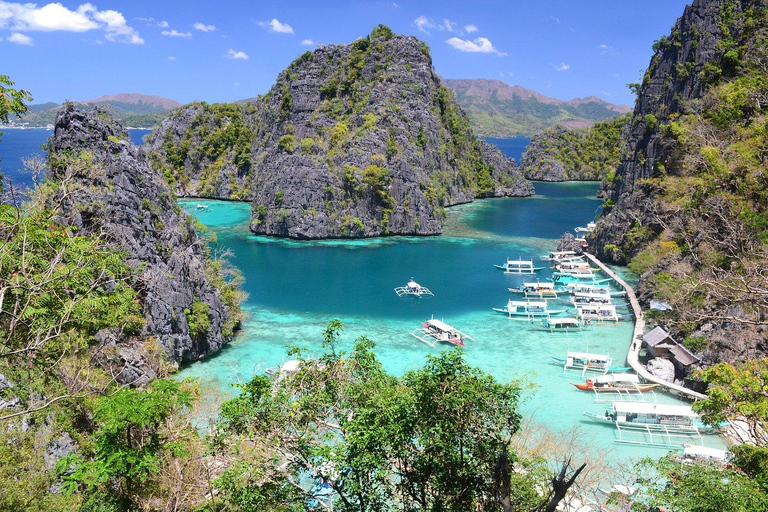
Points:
(228, 50)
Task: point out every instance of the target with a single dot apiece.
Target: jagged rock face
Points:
(662, 368)
(362, 140)
(675, 77)
(106, 185)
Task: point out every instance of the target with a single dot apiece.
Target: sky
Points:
(228, 50)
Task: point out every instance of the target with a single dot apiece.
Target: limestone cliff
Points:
(103, 184)
(581, 154)
(351, 141)
(688, 204)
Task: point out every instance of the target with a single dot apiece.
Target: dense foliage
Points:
(219, 139)
(582, 154)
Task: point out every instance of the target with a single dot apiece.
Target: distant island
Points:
(131, 109)
(497, 109)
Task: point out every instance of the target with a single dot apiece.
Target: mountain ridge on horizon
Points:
(499, 109)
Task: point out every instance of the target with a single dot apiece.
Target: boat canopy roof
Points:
(527, 303)
(694, 450)
(587, 355)
(550, 286)
(651, 408)
(563, 321)
(617, 377)
(597, 307)
(520, 262)
(592, 294)
(438, 324)
(562, 253)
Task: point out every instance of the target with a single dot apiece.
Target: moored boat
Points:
(560, 325)
(559, 256)
(658, 424)
(518, 266)
(577, 287)
(597, 313)
(413, 288)
(581, 229)
(587, 362)
(536, 290)
(528, 309)
(614, 382)
(433, 331)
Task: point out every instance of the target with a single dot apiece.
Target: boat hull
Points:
(642, 388)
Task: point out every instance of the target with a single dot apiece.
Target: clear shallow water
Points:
(296, 288)
(16, 144)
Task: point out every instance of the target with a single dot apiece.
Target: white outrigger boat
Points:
(574, 267)
(566, 278)
(585, 298)
(592, 288)
(557, 256)
(590, 228)
(587, 362)
(519, 266)
(413, 288)
(202, 207)
(536, 290)
(657, 424)
(560, 325)
(527, 309)
(433, 331)
(597, 313)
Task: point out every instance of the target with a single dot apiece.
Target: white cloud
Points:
(20, 39)
(307, 42)
(202, 27)
(604, 47)
(479, 45)
(556, 20)
(171, 58)
(163, 24)
(424, 24)
(470, 28)
(176, 33)
(54, 17)
(606, 93)
(276, 26)
(447, 25)
(562, 67)
(152, 22)
(395, 5)
(236, 84)
(232, 54)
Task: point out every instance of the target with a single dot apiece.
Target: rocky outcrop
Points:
(563, 154)
(661, 368)
(677, 77)
(105, 185)
(682, 204)
(352, 141)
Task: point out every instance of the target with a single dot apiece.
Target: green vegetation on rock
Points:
(562, 154)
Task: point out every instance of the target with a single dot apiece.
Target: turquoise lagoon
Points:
(295, 288)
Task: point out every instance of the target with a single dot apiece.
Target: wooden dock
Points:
(633, 356)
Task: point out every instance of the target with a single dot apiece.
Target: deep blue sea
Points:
(16, 144)
(512, 147)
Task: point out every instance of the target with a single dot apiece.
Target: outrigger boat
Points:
(527, 309)
(559, 256)
(202, 207)
(413, 288)
(519, 267)
(591, 288)
(574, 267)
(613, 383)
(433, 331)
(565, 278)
(536, 290)
(562, 325)
(659, 424)
(582, 299)
(590, 228)
(587, 362)
(597, 313)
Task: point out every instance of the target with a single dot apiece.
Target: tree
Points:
(128, 442)
(738, 393)
(436, 439)
(695, 487)
(11, 100)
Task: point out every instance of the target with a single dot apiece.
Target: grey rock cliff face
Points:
(674, 78)
(361, 140)
(107, 186)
